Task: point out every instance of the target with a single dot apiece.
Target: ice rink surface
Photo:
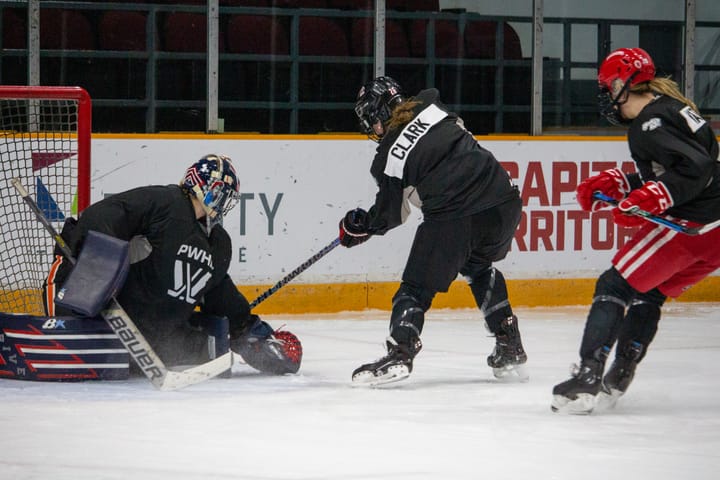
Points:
(450, 420)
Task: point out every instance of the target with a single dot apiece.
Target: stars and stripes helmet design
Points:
(213, 181)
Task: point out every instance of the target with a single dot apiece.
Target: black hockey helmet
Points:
(375, 102)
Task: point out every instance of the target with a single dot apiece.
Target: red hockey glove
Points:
(612, 183)
(653, 197)
(354, 228)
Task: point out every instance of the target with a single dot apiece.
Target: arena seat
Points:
(322, 36)
(300, 3)
(362, 33)
(14, 28)
(261, 79)
(323, 82)
(182, 78)
(264, 35)
(422, 5)
(479, 82)
(448, 42)
(245, 3)
(363, 4)
(122, 30)
(184, 32)
(62, 29)
(480, 40)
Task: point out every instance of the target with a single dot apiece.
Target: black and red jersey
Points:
(670, 142)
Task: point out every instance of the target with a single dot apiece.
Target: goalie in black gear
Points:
(471, 210)
(180, 255)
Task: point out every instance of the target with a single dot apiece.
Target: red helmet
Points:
(622, 69)
(627, 64)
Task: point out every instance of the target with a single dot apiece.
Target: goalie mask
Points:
(375, 103)
(621, 70)
(213, 181)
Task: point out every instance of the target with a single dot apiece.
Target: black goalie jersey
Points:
(175, 265)
(672, 143)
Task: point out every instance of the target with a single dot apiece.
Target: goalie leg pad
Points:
(98, 275)
(61, 349)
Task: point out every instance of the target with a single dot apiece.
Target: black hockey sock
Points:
(490, 292)
(612, 294)
(408, 316)
(641, 322)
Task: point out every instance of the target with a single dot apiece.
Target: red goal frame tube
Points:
(84, 126)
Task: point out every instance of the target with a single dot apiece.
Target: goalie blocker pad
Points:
(60, 349)
(97, 276)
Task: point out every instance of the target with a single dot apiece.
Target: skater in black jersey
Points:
(180, 256)
(676, 154)
(471, 210)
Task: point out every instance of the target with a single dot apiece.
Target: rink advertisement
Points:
(294, 190)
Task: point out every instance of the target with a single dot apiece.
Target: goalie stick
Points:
(304, 266)
(126, 330)
(660, 220)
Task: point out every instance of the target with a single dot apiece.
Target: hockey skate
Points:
(393, 367)
(508, 358)
(620, 375)
(577, 395)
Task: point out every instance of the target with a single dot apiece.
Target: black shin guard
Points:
(641, 322)
(612, 295)
(408, 314)
(490, 292)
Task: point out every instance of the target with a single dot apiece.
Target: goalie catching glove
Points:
(354, 228)
(267, 350)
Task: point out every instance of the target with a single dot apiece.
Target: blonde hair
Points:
(402, 114)
(664, 86)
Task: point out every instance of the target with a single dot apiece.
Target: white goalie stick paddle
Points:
(134, 342)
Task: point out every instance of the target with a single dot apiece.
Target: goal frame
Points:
(84, 128)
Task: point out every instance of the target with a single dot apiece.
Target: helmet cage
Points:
(610, 105)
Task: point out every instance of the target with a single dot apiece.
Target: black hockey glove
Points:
(354, 228)
(268, 351)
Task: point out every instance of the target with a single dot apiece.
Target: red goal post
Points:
(46, 133)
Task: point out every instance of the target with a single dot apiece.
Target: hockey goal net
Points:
(46, 144)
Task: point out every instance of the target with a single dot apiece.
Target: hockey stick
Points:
(126, 330)
(305, 265)
(658, 219)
